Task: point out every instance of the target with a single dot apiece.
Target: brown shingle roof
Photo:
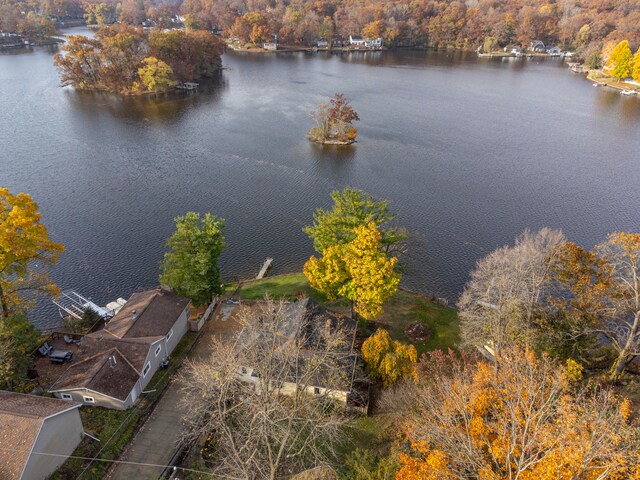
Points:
(155, 313)
(21, 417)
(115, 379)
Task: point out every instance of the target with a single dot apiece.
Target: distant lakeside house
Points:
(37, 434)
(113, 365)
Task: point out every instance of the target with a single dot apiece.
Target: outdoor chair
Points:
(45, 349)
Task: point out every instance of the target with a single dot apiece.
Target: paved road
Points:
(157, 440)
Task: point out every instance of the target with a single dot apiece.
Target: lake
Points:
(469, 152)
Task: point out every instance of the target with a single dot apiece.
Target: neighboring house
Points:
(115, 364)
(37, 434)
(375, 43)
(270, 46)
(302, 319)
(322, 43)
(356, 41)
(537, 46)
(555, 51)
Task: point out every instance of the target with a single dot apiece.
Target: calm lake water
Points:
(468, 151)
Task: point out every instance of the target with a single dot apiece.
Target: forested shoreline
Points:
(586, 26)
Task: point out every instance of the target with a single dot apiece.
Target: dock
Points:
(265, 267)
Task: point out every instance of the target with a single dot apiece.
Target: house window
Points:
(169, 335)
(66, 396)
(146, 369)
(89, 400)
(158, 350)
(316, 391)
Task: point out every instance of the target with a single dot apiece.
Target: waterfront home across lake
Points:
(36, 435)
(113, 365)
(356, 41)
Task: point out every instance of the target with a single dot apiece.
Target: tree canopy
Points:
(389, 360)
(619, 64)
(358, 271)
(353, 208)
(25, 252)
(522, 419)
(125, 59)
(190, 267)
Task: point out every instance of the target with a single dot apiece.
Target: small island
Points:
(127, 60)
(334, 122)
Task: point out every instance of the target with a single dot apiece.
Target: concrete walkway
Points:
(157, 440)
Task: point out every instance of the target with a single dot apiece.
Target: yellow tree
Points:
(619, 63)
(155, 75)
(523, 420)
(358, 271)
(389, 360)
(635, 73)
(25, 249)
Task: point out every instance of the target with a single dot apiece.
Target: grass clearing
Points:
(403, 309)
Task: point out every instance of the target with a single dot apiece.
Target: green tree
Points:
(358, 271)
(155, 75)
(353, 208)
(18, 338)
(619, 63)
(635, 73)
(25, 252)
(388, 360)
(368, 465)
(190, 267)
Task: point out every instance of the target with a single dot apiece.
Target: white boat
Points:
(596, 84)
(629, 92)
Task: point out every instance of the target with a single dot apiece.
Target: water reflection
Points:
(163, 108)
(334, 158)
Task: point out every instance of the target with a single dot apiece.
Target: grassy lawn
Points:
(403, 309)
(115, 428)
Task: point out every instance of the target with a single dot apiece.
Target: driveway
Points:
(157, 440)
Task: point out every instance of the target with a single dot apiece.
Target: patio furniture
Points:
(60, 356)
(45, 349)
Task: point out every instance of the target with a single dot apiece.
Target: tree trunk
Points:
(5, 306)
(625, 356)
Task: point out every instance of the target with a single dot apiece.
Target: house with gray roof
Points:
(37, 434)
(116, 363)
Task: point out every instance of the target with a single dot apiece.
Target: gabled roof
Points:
(115, 378)
(21, 418)
(128, 338)
(147, 314)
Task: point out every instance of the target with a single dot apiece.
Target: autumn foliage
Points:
(334, 121)
(517, 418)
(358, 271)
(388, 360)
(25, 252)
(125, 59)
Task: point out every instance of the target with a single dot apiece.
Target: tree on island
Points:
(619, 62)
(334, 122)
(354, 208)
(25, 252)
(358, 271)
(124, 59)
(190, 267)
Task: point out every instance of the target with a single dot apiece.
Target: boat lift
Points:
(73, 304)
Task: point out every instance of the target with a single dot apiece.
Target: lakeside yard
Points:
(372, 433)
(402, 310)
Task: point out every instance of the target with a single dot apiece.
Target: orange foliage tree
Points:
(522, 420)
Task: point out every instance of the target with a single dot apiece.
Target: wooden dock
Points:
(265, 267)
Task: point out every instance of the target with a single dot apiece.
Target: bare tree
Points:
(622, 323)
(507, 286)
(268, 396)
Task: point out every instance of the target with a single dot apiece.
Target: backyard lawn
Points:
(402, 310)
